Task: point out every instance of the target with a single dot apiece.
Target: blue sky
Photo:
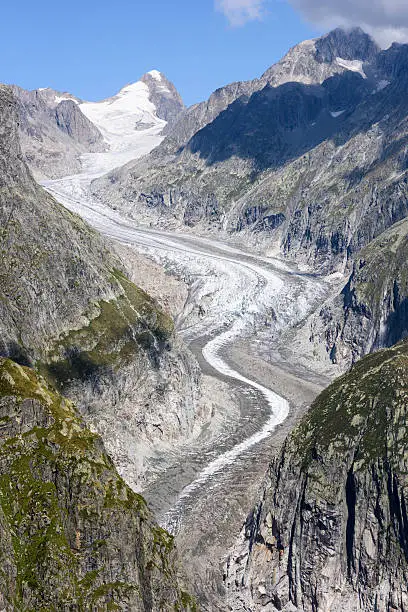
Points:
(92, 48)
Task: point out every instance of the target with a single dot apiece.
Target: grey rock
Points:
(264, 142)
(73, 122)
(330, 531)
(371, 310)
(68, 309)
(164, 96)
(53, 134)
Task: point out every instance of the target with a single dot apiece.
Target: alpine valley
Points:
(203, 363)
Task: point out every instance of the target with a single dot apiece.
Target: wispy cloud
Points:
(238, 12)
(386, 20)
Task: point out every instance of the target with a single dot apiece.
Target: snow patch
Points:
(59, 99)
(353, 65)
(155, 74)
(337, 113)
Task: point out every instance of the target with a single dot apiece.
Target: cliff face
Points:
(312, 159)
(54, 132)
(72, 534)
(371, 310)
(164, 96)
(67, 308)
(331, 529)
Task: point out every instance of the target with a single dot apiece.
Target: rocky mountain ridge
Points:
(330, 531)
(241, 153)
(97, 336)
(309, 159)
(53, 132)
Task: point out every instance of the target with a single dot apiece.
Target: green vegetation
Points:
(69, 516)
(118, 330)
(363, 412)
(383, 261)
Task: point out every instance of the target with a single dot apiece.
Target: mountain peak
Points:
(163, 94)
(155, 74)
(348, 44)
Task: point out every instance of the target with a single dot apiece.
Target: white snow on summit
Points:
(337, 113)
(155, 74)
(128, 123)
(59, 99)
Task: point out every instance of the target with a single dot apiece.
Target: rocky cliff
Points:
(164, 96)
(310, 159)
(54, 132)
(331, 529)
(72, 534)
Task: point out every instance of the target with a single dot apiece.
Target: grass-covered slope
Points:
(333, 523)
(73, 536)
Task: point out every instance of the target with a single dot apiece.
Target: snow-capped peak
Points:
(124, 114)
(155, 74)
(129, 123)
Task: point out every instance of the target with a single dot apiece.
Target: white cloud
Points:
(386, 20)
(238, 12)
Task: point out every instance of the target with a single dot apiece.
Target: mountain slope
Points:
(98, 337)
(58, 130)
(371, 310)
(72, 534)
(53, 132)
(244, 165)
(310, 62)
(331, 530)
(316, 167)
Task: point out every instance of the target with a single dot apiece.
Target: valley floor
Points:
(237, 304)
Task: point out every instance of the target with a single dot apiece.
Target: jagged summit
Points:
(132, 121)
(164, 95)
(52, 97)
(349, 44)
(315, 60)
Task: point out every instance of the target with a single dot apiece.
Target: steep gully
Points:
(236, 293)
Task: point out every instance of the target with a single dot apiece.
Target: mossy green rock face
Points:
(331, 532)
(128, 327)
(73, 536)
(57, 274)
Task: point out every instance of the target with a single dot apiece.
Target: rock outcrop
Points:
(331, 529)
(164, 96)
(371, 310)
(54, 132)
(312, 159)
(270, 145)
(72, 534)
